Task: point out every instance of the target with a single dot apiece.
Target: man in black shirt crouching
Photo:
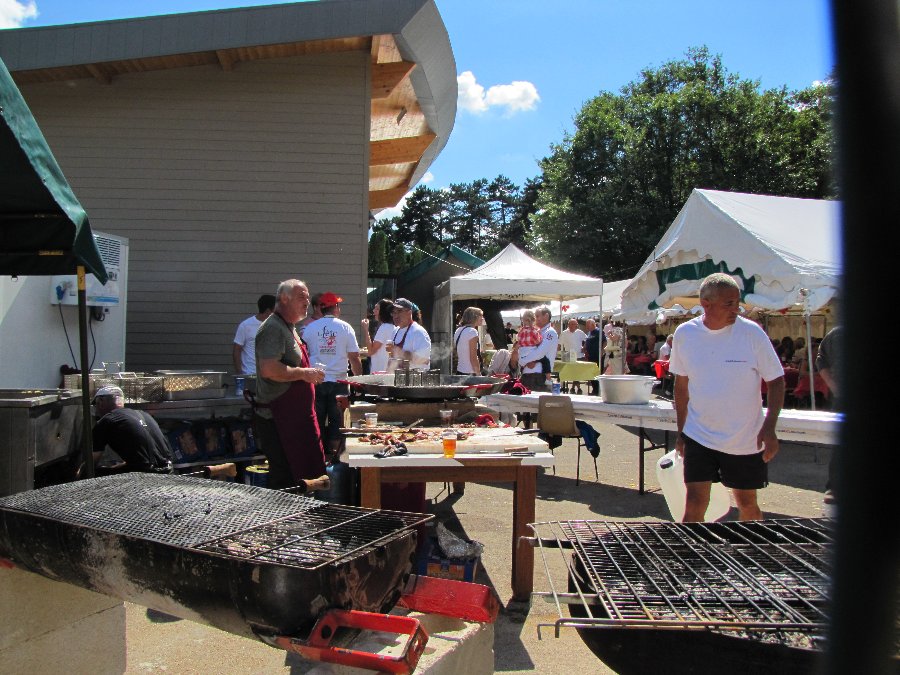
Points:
(132, 434)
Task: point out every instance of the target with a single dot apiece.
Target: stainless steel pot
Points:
(627, 389)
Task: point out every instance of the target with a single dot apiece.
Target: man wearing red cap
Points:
(332, 344)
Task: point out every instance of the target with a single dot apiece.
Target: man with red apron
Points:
(285, 416)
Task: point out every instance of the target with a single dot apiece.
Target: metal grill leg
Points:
(578, 464)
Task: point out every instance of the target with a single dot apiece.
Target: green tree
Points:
(378, 262)
(612, 186)
(518, 230)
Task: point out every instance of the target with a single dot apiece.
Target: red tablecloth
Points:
(639, 359)
(661, 368)
(802, 388)
(791, 376)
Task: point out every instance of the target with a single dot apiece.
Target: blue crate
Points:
(431, 562)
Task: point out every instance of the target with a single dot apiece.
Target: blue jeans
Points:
(329, 414)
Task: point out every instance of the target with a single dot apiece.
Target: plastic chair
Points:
(556, 417)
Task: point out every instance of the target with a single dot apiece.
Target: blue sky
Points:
(525, 67)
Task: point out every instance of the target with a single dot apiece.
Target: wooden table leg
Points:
(370, 487)
(524, 494)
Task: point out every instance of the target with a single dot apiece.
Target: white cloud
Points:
(14, 13)
(514, 97)
(471, 94)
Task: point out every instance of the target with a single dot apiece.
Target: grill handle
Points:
(229, 470)
(318, 646)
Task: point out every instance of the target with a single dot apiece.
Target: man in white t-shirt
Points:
(332, 344)
(719, 361)
(534, 372)
(665, 350)
(572, 339)
(243, 353)
(411, 340)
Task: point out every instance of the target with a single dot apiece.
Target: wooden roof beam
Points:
(399, 150)
(386, 77)
(385, 199)
(98, 73)
(226, 59)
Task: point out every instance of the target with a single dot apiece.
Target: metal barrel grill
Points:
(693, 597)
(260, 563)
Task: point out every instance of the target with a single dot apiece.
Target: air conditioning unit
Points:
(114, 254)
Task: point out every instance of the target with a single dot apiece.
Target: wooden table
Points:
(479, 459)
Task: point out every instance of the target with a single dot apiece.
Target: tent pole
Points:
(600, 319)
(450, 335)
(809, 357)
(87, 455)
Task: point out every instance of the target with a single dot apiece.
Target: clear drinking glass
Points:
(448, 438)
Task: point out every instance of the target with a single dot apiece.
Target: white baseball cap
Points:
(109, 391)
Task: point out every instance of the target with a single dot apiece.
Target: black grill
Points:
(759, 578)
(233, 520)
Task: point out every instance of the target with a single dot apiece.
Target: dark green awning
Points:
(43, 228)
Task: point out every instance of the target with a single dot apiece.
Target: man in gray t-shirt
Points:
(275, 340)
(285, 420)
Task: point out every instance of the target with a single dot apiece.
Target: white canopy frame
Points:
(509, 275)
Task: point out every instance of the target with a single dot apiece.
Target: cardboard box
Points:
(432, 563)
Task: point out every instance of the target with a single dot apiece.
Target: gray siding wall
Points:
(225, 183)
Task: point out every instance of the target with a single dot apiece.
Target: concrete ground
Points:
(484, 513)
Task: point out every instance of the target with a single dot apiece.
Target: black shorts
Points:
(741, 472)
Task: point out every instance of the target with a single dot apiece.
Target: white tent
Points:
(594, 306)
(774, 246)
(509, 275)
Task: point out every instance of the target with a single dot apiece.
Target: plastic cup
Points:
(446, 418)
(371, 420)
(449, 442)
(555, 387)
(239, 386)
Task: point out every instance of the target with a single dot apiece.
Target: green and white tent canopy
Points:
(773, 246)
(43, 228)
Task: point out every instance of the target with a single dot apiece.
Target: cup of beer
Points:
(448, 436)
(446, 417)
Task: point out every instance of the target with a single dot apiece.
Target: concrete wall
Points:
(225, 183)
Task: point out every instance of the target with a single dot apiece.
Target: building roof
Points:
(413, 75)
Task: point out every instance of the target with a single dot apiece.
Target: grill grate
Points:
(238, 521)
(315, 537)
(764, 576)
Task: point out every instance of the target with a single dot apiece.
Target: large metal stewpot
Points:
(627, 389)
(450, 387)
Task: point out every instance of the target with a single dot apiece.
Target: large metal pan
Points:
(451, 387)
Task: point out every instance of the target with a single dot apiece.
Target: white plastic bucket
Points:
(670, 473)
